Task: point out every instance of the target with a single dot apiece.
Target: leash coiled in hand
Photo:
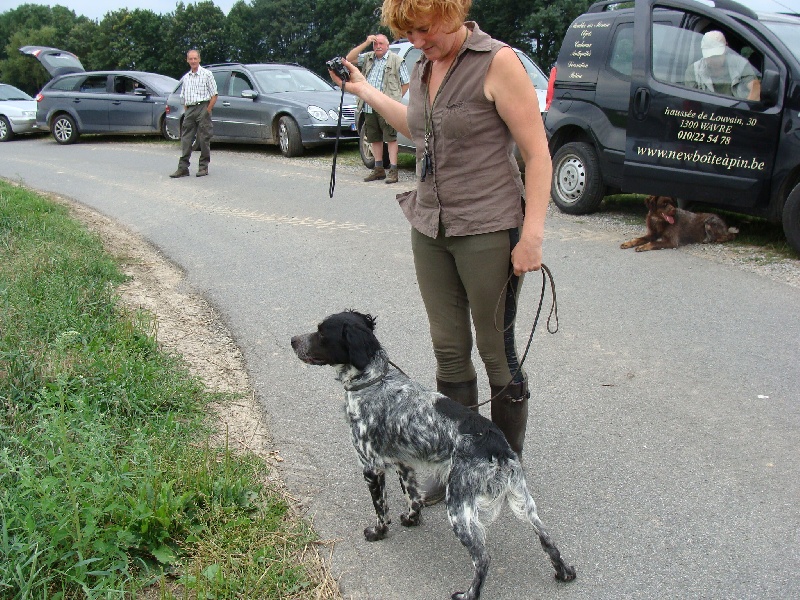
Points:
(547, 275)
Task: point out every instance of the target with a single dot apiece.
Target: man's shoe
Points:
(392, 176)
(180, 173)
(202, 173)
(377, 173)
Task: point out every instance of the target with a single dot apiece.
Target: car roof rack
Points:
(731, 5)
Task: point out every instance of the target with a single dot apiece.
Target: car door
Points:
(90, 101)
(219, 115)
(691, 143)
(130, 111)
(244, 119)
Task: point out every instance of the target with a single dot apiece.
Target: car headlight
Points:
(317, 113)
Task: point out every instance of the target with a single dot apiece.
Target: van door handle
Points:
(225, 103)
(641, 103)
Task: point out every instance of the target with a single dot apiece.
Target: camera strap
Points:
(336, 145)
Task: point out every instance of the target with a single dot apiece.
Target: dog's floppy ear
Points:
(361, 343)
(650, 202)
(369, 320)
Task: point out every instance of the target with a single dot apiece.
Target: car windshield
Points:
(534, 72)
(275, 81)
(162, 83)
(789, 33)
(9, 92)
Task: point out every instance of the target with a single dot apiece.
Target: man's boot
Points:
(391, 176)
(377, 173)
(466, 394)
(510, 413)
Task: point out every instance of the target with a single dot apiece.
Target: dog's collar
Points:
(360, 385)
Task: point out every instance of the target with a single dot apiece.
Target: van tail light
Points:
(551, 83)
(167, 109)
(39, 97)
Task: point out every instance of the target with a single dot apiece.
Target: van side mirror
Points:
(252, 94)
(770, 87)
(140, 92)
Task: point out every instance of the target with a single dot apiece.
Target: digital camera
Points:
(337, 66)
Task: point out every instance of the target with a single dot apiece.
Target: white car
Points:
(17, 112)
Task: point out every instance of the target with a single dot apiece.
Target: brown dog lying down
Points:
(669, 227)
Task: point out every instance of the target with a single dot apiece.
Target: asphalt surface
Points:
(663, 441)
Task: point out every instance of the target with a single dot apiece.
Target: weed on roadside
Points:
(107, 487)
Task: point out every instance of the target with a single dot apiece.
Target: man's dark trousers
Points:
(196, 123)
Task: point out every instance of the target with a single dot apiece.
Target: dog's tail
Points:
(524, 507)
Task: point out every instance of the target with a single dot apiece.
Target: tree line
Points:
(306, 32)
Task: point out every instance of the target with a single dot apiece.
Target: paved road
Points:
(663, 443)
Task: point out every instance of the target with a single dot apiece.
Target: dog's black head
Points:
(345, 338)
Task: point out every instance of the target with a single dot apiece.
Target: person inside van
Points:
(723, 71)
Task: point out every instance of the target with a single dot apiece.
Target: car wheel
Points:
(365, 149)
(577, 188)
(64, 129)
(791, 219)
(5, 130)
(289, 137)
(165, 133)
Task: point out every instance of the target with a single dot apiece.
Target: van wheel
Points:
(365, 149)
(577, 188)
(289, 137)
(791, 219)
(64, 129)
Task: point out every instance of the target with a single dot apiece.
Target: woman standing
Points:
(474, 222)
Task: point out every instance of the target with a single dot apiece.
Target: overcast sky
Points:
(95, 9)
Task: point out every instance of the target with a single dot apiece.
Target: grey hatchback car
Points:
(76, 101)
(273, 103)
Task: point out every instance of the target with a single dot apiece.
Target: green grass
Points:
(753, 232)
(108, 485)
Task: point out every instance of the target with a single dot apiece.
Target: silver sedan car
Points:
(273, 103)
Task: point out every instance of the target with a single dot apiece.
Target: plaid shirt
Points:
(198, 87)
(375, 76)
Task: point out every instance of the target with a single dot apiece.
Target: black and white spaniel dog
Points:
(397, 424)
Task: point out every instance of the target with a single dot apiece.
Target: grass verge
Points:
(109, 484)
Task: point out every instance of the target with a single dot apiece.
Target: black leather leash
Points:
(547, 275)
(336, 145)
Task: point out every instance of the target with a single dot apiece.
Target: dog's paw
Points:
(409, 520)
(375, 533)
(566, 573)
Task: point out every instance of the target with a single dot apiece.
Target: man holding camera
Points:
(387, 72)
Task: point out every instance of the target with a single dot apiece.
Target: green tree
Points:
(201, 26)
(535, 26)
(129, 40)
(339, 25)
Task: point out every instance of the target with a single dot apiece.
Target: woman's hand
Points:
(356, 82)
(526, 256)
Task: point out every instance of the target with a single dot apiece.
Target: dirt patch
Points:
(187, 325)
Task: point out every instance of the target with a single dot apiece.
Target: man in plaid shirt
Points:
(199, 94)
(387, 72)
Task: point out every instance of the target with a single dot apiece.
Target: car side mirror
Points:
(770, 87)
(140, 92)
(252, 94)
